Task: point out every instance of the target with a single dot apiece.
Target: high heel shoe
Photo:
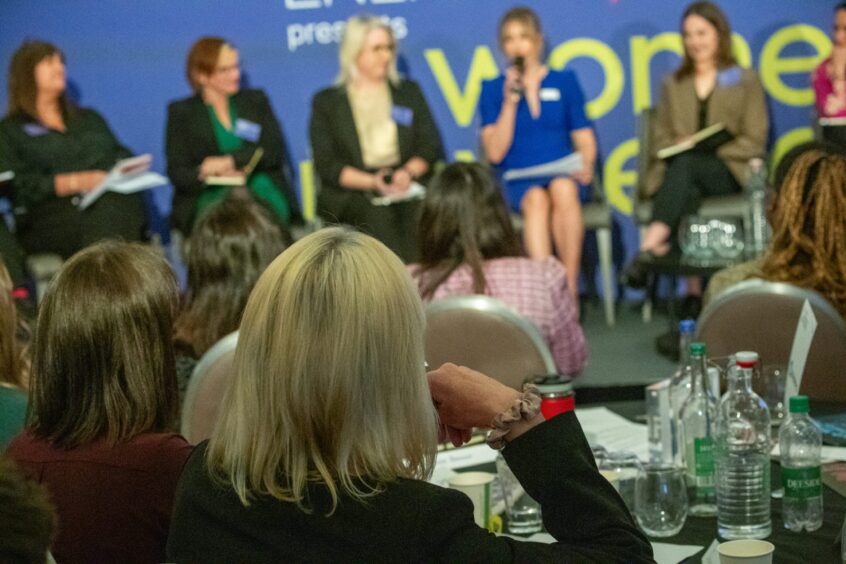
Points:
(636, 274)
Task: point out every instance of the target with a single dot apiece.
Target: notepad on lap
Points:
(707, 139)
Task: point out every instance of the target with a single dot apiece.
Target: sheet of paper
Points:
(416, 191)
(605, 428)
(127, 176)
(711, 555)
(449, 461)
(805, 330)
(562, 167)
(665, 553)
(6, 175)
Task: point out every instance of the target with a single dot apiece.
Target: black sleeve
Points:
(31, 184)
(581, 510)
(427, 139)
(270, 138)
(327, 161)
(181, 168)
(118, 150)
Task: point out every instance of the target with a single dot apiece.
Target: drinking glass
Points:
(726, 238)
(524, 513)
(622, 470)
(694, 238)
(661, 500)
(774, 377)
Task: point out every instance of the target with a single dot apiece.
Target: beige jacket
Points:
(741, 106)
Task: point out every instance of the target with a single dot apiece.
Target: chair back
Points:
(206, 390)
(485, 334)
(762, 316)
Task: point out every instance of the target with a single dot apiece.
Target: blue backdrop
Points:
(126, 59)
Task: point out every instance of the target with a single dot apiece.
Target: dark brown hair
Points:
(808, 247)
(22, 88)
(202, 58)
(715, 16)
(463, 221)
(103, 361)
(27, 521)
(230, 246)
(14, 357)
(520, 14)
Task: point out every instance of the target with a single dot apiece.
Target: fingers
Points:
(466, 398)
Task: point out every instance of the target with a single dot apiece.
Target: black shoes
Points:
(636, 274)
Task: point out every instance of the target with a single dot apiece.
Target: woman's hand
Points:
(217, 166)
(585, 175)
(465, 398)
(400, 181)
(512, 86)
(70, 183)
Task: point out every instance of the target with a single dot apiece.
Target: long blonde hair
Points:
(355, 33)
(329, 385)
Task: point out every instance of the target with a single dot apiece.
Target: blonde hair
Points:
(329, 385)
(355, 34)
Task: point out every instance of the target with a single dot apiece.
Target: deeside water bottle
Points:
(800, 443)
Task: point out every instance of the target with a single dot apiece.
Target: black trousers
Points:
(57, 226)
(690, 177)
(12, 255)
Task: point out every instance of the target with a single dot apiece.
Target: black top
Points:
(190, 139)
(36, 153)
(413, 521)
(335, 144)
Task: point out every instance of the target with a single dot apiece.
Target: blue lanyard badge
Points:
(402, 115)
(729, 77)
(247, 130)
(35, 129)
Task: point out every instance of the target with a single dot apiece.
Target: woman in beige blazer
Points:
(708, 88)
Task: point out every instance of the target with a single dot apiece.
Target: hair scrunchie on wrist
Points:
(523, 409)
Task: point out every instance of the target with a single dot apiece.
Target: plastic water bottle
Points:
(698, 415)
(742, 457)
(800, 443)
(756, 195)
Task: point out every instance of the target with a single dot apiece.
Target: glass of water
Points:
(661, 500)
(622, 469)
(524, 513)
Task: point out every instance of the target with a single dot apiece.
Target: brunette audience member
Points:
(103, 400)
(223, 130)
(27, 522)
(59, 151)
(14, 364)
(467, 246)
(808, 216)
(709, 87)
(331, 432)
(372, 135)
(533, 115)
(231, 244)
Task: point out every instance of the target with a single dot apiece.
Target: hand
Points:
(465, 398)
(838, 61)
(379, 183)
(401, 181)
(70, 183)
(91, 179)
(217, 166)
(584, 176)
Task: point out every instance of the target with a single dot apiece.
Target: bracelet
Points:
(524, 409)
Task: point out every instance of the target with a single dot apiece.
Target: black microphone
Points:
(520, 66)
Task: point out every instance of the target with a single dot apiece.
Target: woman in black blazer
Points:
(372, 135)
(217, 133)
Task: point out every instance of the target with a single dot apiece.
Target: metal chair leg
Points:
(603, 241)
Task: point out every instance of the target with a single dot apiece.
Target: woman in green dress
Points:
(224, 136)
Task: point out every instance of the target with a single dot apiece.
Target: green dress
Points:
(261, 186)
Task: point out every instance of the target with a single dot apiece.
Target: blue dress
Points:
(541, 140)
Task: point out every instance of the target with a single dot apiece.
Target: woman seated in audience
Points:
(59, 151)
(103, 399)
(829, 78)
(808, 217)
(27, 522)
(708, 88)
(231, 244)
(223, 130)
(372, 134)
(331, 431)
(14, 364)
(532, 115)
(467, 246)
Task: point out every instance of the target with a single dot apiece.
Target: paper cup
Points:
(477, 486)
(746, 552)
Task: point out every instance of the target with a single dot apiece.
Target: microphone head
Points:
(520, 62)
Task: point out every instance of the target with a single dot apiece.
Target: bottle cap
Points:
(697, 348)
(687, 326)
(799, 404)
(746, 359)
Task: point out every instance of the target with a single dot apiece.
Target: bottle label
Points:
(801, 483)
(703, 465)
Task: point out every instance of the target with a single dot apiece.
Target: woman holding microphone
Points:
(533, 115)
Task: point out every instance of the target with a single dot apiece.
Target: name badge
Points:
(550, 94)
(247, 130)
(729, 77)
(402, 115)
(35, 129)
